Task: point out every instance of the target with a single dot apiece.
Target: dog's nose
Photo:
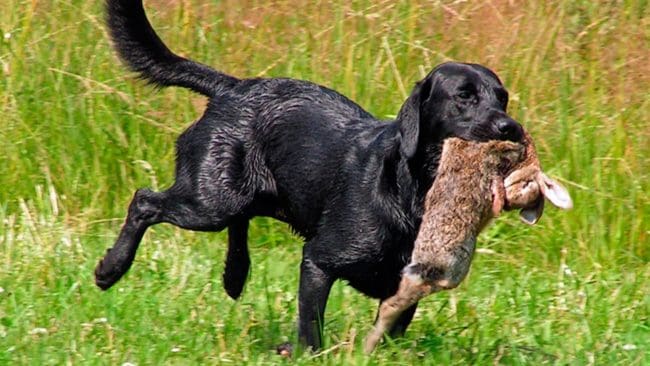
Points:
(510, 130)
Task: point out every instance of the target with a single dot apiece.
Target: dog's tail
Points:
(138, 45)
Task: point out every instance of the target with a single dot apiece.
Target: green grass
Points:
(80, 135)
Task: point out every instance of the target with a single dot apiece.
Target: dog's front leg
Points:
(315, 287)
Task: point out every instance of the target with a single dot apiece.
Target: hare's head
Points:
(527, 186)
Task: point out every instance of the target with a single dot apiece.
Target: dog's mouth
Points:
(506, 167)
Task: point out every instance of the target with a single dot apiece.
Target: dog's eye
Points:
(465, 96)
(502, 97)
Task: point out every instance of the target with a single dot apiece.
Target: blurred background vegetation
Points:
(81, 134)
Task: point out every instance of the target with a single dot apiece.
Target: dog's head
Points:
(456, 100)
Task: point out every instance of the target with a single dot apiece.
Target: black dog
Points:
(351, 185)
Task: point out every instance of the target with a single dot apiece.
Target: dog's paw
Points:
(284, 350)
(106, 274)
(234, 280)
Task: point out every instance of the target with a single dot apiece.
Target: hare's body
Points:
(475, 182)
(467, 193)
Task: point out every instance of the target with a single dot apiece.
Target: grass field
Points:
(81, 134)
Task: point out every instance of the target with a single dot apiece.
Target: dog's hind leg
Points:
(142, 214)
(149, 208)
(237, 259)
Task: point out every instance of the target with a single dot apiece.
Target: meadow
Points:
(80, 134)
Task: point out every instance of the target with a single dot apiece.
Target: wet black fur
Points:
(351, 185)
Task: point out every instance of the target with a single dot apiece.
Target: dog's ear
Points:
(410, 115)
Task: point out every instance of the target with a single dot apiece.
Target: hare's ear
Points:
(531, 215)
(554, 192)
